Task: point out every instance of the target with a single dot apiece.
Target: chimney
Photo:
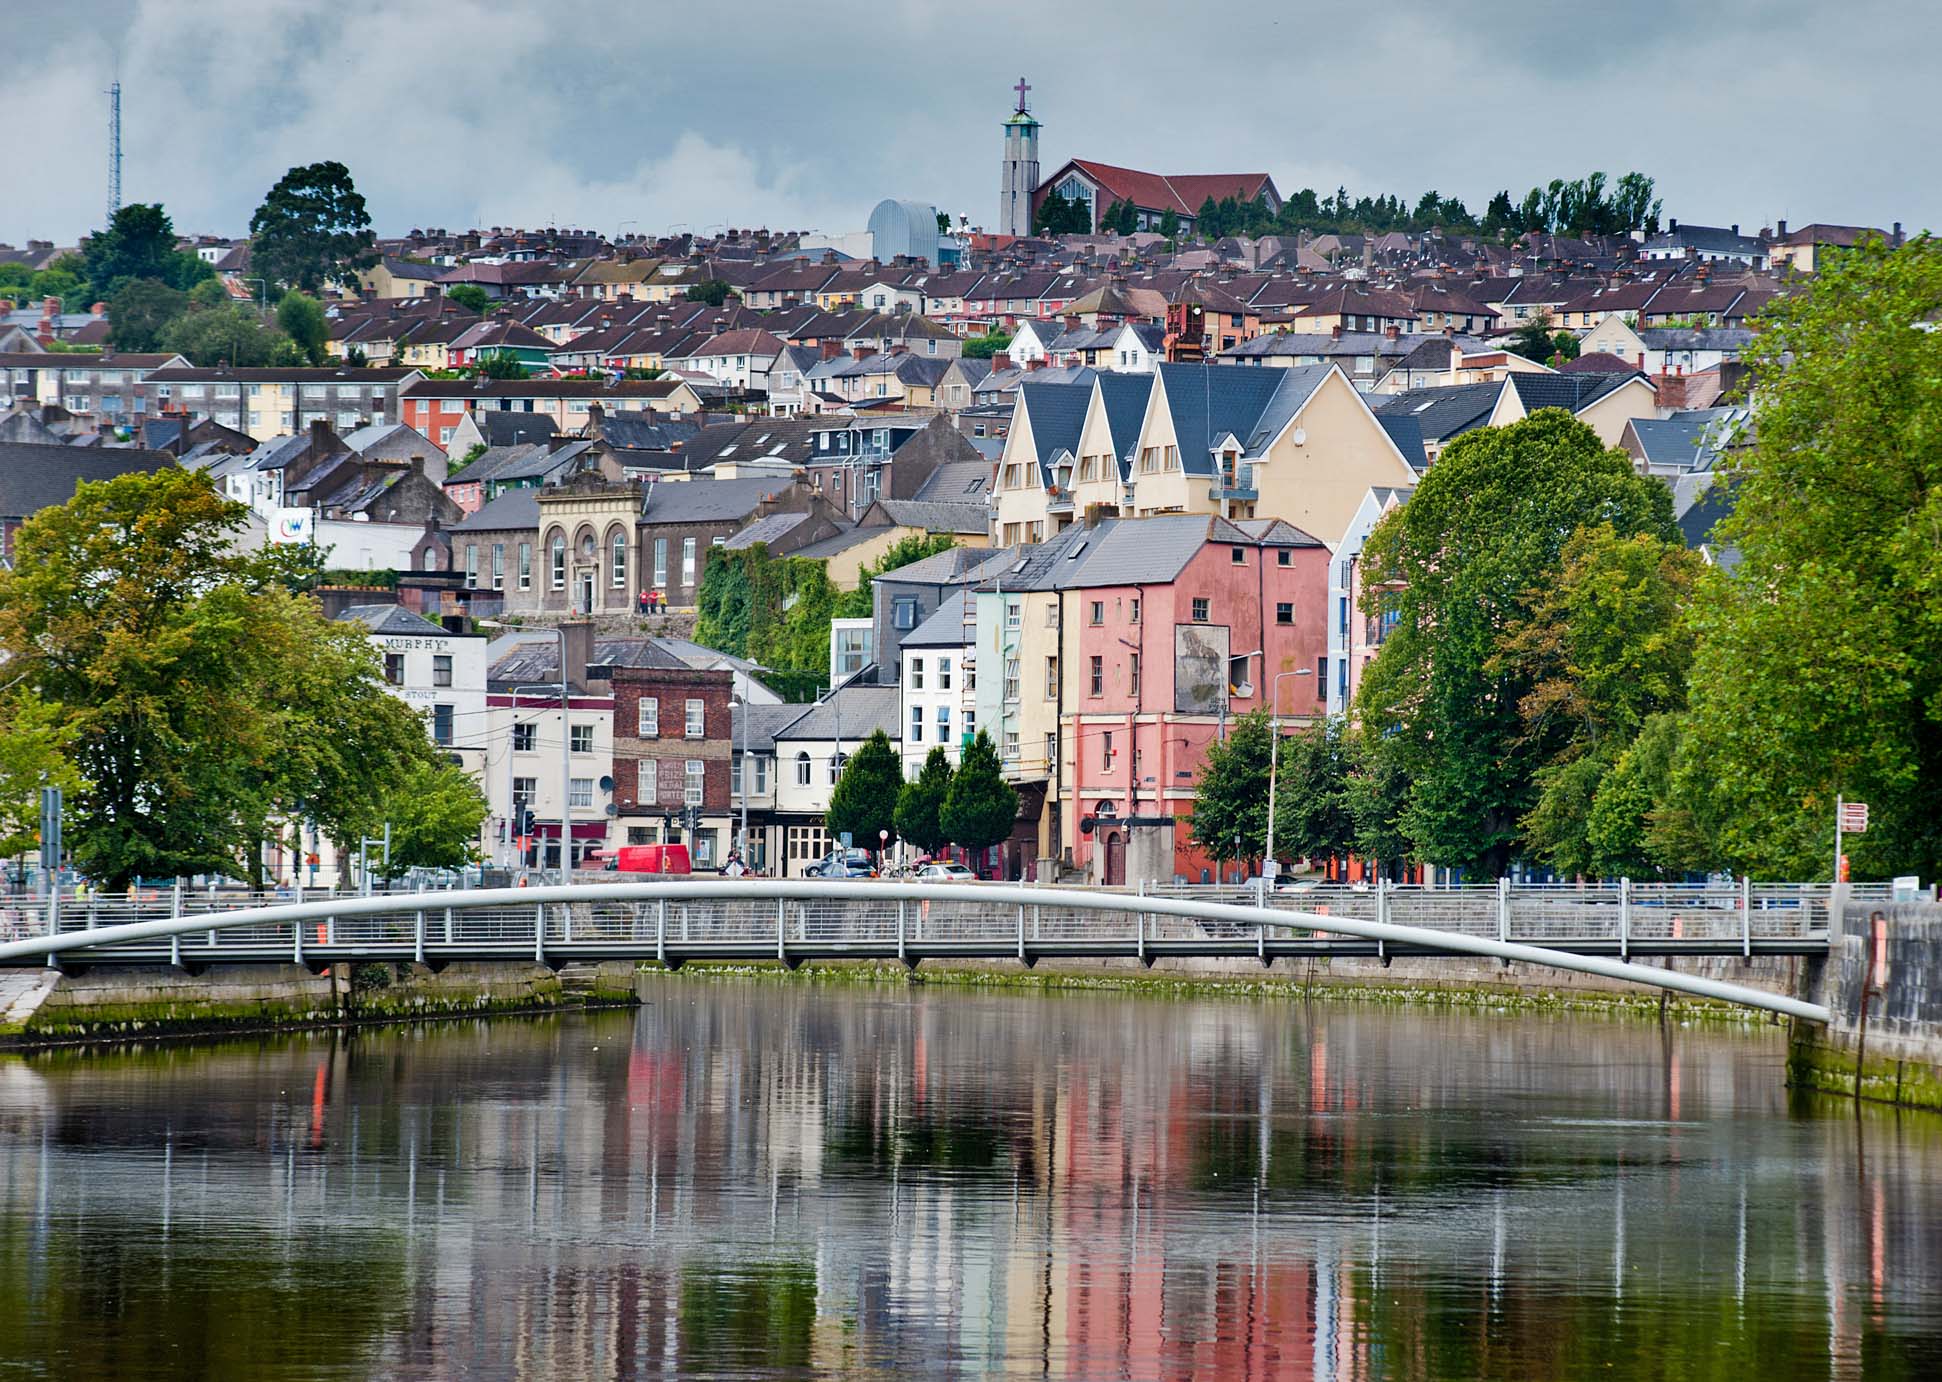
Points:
(1000, 361)
(1780, 229)
(1896, 237)
(1037, 364)
(319, 435)
(1735, 227)
(860, 352)
(1392, 331)
(579, 651)
(828, 349)
(1335, 331)
(595, 414)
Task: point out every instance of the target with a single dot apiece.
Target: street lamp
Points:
(1274, 753)
(566, 748)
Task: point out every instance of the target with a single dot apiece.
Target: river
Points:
(762, 1178)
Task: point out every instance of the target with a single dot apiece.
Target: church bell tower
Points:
(1021, 168)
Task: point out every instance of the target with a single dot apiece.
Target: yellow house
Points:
(1603, 402)
(1108, 442)
(1036, 466)
(1295, 444)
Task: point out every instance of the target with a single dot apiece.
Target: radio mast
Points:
(114, 150)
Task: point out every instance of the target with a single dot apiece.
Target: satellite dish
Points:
(612, 809)
(1301, 436)
(1085, 825)
(606, 784)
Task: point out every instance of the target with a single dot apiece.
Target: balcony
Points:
(1237, 483)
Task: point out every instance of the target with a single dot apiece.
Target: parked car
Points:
(945, 873)
(666, 859)
(844, 863)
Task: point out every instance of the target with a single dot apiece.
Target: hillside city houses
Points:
(1156, 491)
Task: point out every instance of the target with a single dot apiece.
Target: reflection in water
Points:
(769, 1178)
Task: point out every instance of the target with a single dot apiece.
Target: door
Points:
(1115, 860)
(586, 592)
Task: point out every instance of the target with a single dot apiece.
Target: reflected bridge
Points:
(1592, 930)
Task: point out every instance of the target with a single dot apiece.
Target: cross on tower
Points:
(1021, 89)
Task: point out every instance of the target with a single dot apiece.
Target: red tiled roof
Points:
(1155, 192)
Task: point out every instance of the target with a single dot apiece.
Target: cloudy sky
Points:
(647, 114)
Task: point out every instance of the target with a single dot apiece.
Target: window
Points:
(471, 563)
(944, 674)
(1200, 610)
(525, 566)
(1321, 678)
(650, 718)
(1284, 557)
(1012, 613)
(944, 724)
(1284, 613)
(1133, 676)
(441, 669)
(525, 737)
(1011, 745)
(917, 674)
(660, 562)
(1098, 612)
(1237, 676)
(498, 566)
(1011, 678)
(761, 774)
(696, 720)
(579, 793)
(688, 562)
(1099, 676)
(836, 762)
(917, 724)
(1106, 751)
(524, 791)
(802, 770)
(735, 776)
(1239, 555)
(582, 739)
(394, 668)
(694, 779)
(620, 559)
(559, 561)
(441, 724)
(1051, 676)
(904, 613)
(646, 782)
(970, 722)
(1135, 609)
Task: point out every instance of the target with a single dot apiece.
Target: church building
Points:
(1099, 186)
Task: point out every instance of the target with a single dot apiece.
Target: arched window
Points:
(587, 547)
(620, 558)
(559, 561)
(802, 770)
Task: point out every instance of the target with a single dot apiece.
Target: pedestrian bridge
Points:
(1594, 930)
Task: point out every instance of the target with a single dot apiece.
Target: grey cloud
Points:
(482, 112)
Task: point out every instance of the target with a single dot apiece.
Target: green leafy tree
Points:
(312, 228)
(499, 364)
(864, 800)
(1314, 809)
(920, 803)
(434, 810)
(981, 807)
(34, 743)
(1458, 566)
(1641, 825)
(142, 312)
(1378, 801)
(470, 296)
(1230, 818)
(1533, 338)
(1818, 671)
(1169, 224)
(138, 243)
(208, 706)
(301, 317)
(209, 293)
(986, 346)
(234, 335)
(1058, 215)
(712, 291)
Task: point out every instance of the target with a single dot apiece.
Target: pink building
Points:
(1175, 625)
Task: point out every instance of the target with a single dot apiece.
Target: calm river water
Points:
(748, 1178)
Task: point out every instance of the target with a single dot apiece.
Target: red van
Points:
(661, 859)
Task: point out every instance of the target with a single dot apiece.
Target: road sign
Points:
(1854, 818)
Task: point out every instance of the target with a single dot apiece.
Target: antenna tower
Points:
(114, 150)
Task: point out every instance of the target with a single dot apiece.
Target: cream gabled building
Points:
(1033, 495)
(1298, 444)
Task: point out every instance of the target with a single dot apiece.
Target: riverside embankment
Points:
(1882, 981)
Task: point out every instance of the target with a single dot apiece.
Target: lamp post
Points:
(566, 748)
(1274, 754)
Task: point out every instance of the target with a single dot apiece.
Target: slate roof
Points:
(1057, 412)
(1209, 402)
(957, 482)
(390, 619)
(856, 711)
(936, 516)
(1443, 412)
(1124, 397)
(516, 508)
(945, 626)
(1296, 387)
(491, 463)
(769, 528)
(1407, 433)
(1571, 392)
(763, 722)
(708, 501)
(35, 476)
(503, 427)
(1133, 551)
(1688, 440)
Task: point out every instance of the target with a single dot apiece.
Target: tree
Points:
(712, 291)
(141, 312)
(921, 802)
(1207, 220)
(234, 335)
(981, 807)
(34, 744)
(138, 243)
(1602, 648)
(470, 296)
(943, 223)
(1532, 339)
(1230, 818)
(864, 800)
(209, 293)
(1121, 218)
(1169, 224)
(301, 318)
(1058, 215)
(860, 603)
(434, 811)
(1314, 810)
(1456, 567)
(1818, 670)
(312, 228)
(985, 346)
(208, 707)
(499, 364)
